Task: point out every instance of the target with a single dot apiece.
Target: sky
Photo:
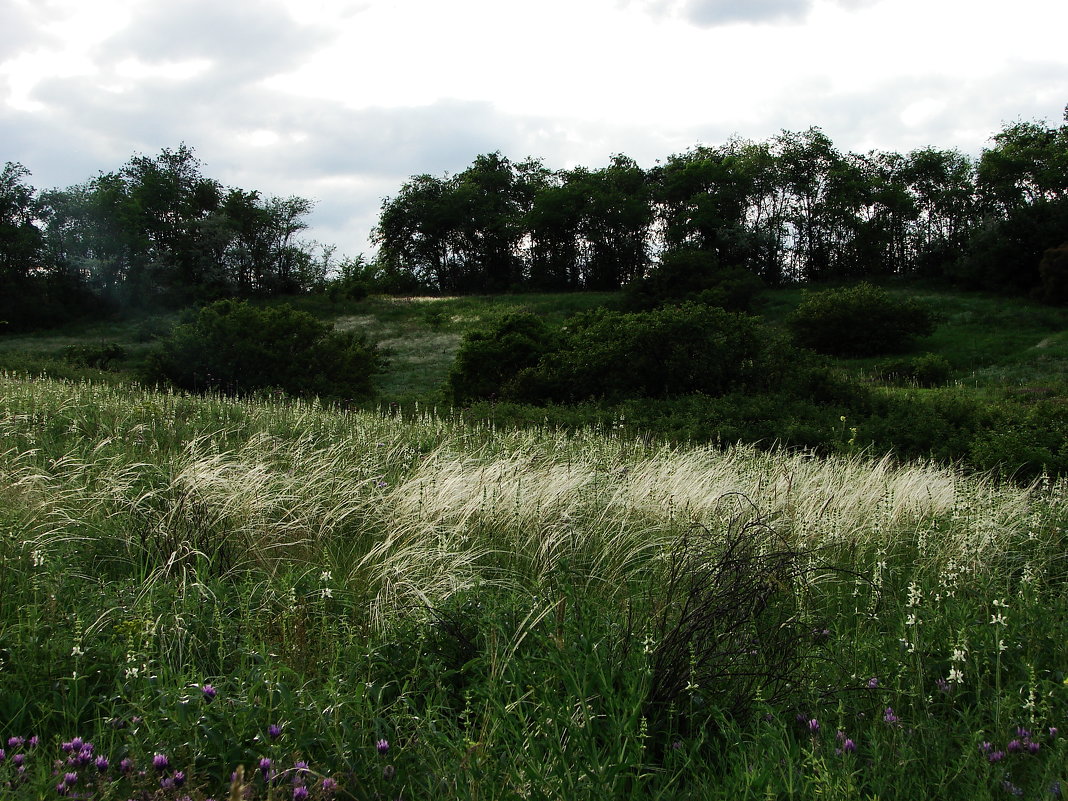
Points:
(341, 101)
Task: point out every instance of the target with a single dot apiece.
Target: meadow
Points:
(206, 597)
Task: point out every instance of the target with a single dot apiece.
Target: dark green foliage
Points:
(492, 357)
(861, 320)
(235, 348)
(693, 275)
(659, 354)
(99, 356)
(1053, 272)
(925, 370)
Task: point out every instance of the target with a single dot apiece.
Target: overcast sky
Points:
(341, 101)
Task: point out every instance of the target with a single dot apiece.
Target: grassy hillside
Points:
(995, 398)
(363, 606)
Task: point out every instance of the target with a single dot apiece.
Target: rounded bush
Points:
(236, 348)
(861, 320)
(491, 357)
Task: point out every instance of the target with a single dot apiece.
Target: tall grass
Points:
(507, 607)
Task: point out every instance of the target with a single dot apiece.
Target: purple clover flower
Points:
(101, 764)
(126, 765)
(33, 741)
(995, 756)
(18, 760)
(1014, 746)
(890, 717)
(873, 682)
(813, 725)
(15, 742)
(265, 768)
(382, 746)
(179, 778)
(328, 785)
(1033, 747)
(70, 779)
(160, 762)
(274, 731)
(209, 692)
(849, 746)
(300, 793)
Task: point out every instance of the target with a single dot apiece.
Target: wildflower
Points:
(33, 741)
(890, 717)
(942, 685)
(873, 683)
(995, 756)
(382, 746)
(300, 793)
(265, 768)
(300, 767)
(849, 746)
(179, 778)
(101, 764)
(328, 785)
(126, 765)
(955, 675)
(813, 725)
(274, 731)
(70, 779)
(1052, 731)
(209, 692)
(15, 742)
(1033, 747)
(1014, 746)
(1022, 732)
(160, 762)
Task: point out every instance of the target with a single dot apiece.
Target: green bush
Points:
(861, 320)
(491, 357)
(693, 275)
(925, 370)
(236, 348)
(672, 351)
(99, 356)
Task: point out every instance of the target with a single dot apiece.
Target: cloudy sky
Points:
(341, 101)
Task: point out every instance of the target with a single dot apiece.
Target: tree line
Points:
(157, 231)
(790, 209)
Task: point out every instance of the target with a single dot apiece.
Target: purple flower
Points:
(382, 746)
(160, 762)
(76, 744)
(813, 725)
(1033, 747)
(890, 717)
(209, 692)
(1052, 731)
(265, 768)
(15, 742)
(126, 765)
(166, 782)
(985, 747)
(179, 778)
(33, 741)
(274, 731)
(942, 685)
(1022, 732)
(328, 785)
(2, 755)
(101, 764)
(995, 756)
(70, 779)
(1014, 746)
(849, 746)
(873, 682)
(18, 760)
(300, 793)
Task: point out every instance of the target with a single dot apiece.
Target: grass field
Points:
(208, 597)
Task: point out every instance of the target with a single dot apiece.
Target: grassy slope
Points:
(499, 606)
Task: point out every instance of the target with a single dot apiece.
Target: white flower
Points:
(77, 651)
(327, 592)
(959, 655)
(955, 676)
(326, 575)
(997, 620)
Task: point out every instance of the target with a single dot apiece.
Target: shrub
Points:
(861, 320)
(925, 370)
(693, 275)
(236, 348)
(669, 352)
(493, 356)
(1053, 272)
(98, 356)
